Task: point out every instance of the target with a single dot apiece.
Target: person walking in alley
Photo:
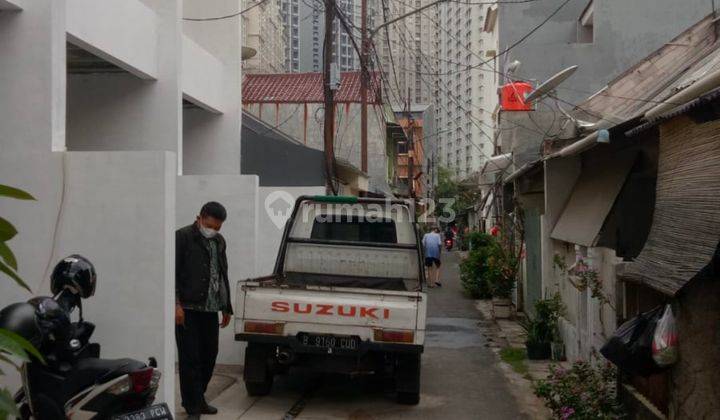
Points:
(201, 291)
(432, 244)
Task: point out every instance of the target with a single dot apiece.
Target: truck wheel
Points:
(407, 379)
(259, 389)
(408, 398)
(256, 373)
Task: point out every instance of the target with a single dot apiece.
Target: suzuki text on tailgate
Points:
(345, 296)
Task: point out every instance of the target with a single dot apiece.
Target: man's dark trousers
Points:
(197, 343)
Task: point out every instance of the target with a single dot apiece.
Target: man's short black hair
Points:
(215, 210)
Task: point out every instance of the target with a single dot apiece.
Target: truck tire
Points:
(259, 389)
(408, 398)
(256, 373)
(407, 379)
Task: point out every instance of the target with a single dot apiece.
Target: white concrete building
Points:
(304, 22)
(263, 30)
(407, 52)
(122, 120)
(467, 86)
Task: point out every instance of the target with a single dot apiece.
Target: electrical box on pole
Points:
(335, 77)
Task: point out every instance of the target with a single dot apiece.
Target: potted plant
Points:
(557, 346)
(501, 271)
(542, 329)
(537, 339)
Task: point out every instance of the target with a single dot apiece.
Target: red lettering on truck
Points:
(329, 310)
(324, 309)
(348, 312)
(308, 308)
(280, 307)
(368, 313)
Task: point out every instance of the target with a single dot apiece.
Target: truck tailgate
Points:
(331, 310)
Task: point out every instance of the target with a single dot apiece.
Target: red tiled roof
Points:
(303, 88)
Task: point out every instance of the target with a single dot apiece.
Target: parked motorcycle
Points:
(72, 381)
(449, 242)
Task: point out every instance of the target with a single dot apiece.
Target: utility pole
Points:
(364, 75)
(329, 127)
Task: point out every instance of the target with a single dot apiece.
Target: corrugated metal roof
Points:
(304, 88)
(712, 96)
(526, 168)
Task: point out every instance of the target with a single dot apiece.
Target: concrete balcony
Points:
(202, 77)
(11, 4)
(121, 32)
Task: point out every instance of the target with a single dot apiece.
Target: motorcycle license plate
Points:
(154, 412)
(340, 342)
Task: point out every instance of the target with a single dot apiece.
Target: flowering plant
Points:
(584, 391)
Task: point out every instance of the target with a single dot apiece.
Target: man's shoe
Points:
(208, 409)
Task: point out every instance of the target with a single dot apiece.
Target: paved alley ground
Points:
(460, 376)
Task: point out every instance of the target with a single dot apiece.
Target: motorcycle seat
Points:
(88, 372)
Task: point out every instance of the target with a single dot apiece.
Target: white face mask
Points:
(207, 232)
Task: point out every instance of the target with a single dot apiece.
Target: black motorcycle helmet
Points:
(52, 318)
(20, 318)
(76, 274)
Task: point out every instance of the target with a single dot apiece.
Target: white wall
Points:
(120, 214)
(211, 141)
(239, 195)
(117, 210)
(32, 83)
(588, 324)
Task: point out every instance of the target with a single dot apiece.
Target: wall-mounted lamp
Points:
(603, 136)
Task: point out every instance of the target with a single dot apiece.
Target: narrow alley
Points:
(460, 376)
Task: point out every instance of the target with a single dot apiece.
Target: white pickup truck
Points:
(345, 296)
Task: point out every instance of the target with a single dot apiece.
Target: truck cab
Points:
(345, 296)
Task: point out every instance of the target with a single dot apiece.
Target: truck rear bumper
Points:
(296, 346)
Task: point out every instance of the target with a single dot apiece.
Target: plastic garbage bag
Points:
(630, 347)
(665, 340)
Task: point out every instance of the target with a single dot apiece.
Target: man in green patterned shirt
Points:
(201, 291)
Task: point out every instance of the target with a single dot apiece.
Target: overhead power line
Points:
(509, 48)
(205, 19)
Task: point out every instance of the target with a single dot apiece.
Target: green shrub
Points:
(474, 270)
(502, 271)
(472, 275)
(488, 271)
(477, 240)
